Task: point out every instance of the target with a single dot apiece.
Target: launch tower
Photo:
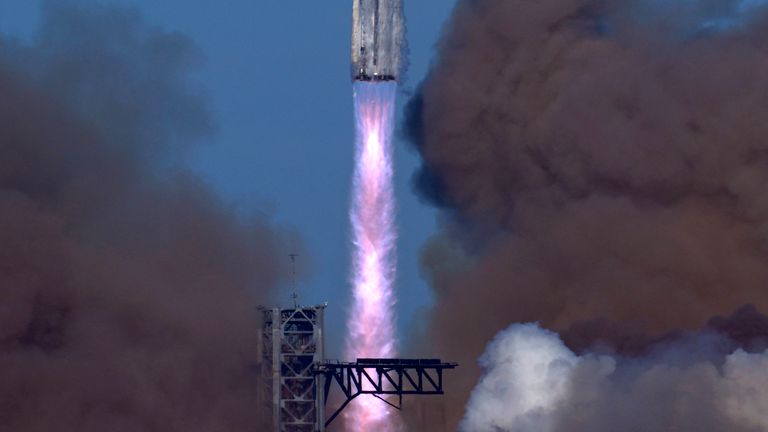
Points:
(291, 343)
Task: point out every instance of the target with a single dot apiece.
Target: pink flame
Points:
(371, 315)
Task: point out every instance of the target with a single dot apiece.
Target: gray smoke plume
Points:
(602, 167)
(127, 289)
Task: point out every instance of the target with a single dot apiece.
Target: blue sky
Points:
(277, 78)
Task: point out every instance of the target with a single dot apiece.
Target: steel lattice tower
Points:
(291, 343)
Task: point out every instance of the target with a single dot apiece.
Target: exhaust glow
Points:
(371, 315)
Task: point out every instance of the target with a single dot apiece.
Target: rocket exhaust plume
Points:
(371, 317)
(377, 44)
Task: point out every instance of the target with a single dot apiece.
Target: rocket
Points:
(378, 40)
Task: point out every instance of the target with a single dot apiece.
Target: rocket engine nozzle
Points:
(362, 76)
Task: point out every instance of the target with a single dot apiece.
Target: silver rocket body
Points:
(378, 40)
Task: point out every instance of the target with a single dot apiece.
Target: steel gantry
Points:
(291, 343)
(381, 377)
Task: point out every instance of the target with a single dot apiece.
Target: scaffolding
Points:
(291, 343)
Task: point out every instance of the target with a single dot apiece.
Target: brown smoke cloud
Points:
(127, 289)
(598, 162)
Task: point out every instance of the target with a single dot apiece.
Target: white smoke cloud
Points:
(528, 371)
(533, 382)
(745, 389)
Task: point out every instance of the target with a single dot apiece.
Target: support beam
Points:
(382, 377)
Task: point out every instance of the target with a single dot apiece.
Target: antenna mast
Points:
(294, 294)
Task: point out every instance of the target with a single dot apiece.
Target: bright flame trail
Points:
(371, 315)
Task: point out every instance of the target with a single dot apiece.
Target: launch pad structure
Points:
(291, 342)
(296, 379)
(382, 377)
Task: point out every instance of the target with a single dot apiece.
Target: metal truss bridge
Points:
(381, 377)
